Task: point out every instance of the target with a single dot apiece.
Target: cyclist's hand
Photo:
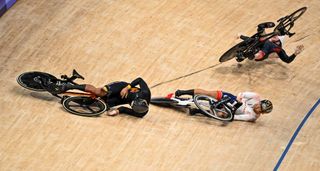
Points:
(299, 49)
(124, 92)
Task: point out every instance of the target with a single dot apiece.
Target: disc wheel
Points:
(231, 53)
(203, 102)
(27, 80)
(84, 106)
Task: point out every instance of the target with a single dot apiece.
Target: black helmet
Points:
(266, 106)
(140, 105)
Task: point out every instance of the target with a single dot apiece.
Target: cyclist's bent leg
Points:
(85, 87)
(97, 91)
(267, 48)
(217, 94)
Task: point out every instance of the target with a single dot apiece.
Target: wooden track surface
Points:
(158, 40)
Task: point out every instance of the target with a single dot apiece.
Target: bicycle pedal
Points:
(244, 37)
(251, 57)
(291, 34)
(239, 59)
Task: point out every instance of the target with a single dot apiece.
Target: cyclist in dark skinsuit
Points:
(127, 93)
(271, 45)
(274, 44)
(119, 93)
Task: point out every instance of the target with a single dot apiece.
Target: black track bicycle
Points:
(251, 45)
(209, 106)
(78, 103)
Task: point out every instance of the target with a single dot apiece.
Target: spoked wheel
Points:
(162, 101)
(231, 53)
(203, 102)
(28, 80)
(287, 22)
(84, 106)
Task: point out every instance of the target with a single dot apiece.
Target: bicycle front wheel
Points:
(288, 21)
(84, 106)
(295, 15)
(203, 102)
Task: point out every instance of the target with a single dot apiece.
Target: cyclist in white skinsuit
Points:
(249, 105)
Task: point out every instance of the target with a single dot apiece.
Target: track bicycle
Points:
(78, 103)
(220, 110)
(251, 45)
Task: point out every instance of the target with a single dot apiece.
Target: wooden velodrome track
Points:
(158, 40)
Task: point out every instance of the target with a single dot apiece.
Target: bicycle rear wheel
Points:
(231, 53)
(27, 80)
(84, 106)
(203, 102)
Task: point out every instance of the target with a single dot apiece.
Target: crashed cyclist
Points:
(248, 105)
(136, 93)
(272, 45)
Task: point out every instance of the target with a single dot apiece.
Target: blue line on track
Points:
(295, 135)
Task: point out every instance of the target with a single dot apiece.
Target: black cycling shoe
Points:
(193, 111)
(251, 57)
(239, 59)
(178, 93)
(244, 37)
(184, 92)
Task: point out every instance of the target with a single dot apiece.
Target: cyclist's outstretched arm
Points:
(128, 111)
(139, 81)
(288, 59)
(245, 117)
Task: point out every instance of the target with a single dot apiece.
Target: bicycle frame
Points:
(185, 102)
(182, 102)
(66, 80)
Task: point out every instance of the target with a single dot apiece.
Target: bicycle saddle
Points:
(265, 25)
(75, 74)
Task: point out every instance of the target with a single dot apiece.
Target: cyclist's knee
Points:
(100, 92)
(260, 55)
